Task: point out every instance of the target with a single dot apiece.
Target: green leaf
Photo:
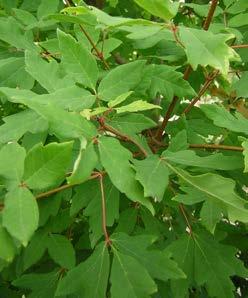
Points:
(78, 60)
(136, 106)
(202, 10)
(94, 209)
(50, 206)
(46, 166)
(166, 81)
(20, 214)
(216, 161)
(48, 74)
(35, 249)
(237, 6)
(217, 189)
(157, 262)
(240, 86)
(120, 80)
(222, 118)
(72, 98)
(84, 164)
(211, 214)
(238, 20)
(119, 99)
(245, 153)
(12, 33)
(90, 276)
(63, 124)
(131, 277)
(153, 174)
(24, 16)
(115, 159)
(12, 158)
(161, 8)
(13, 74)
(47, 7)
(131, 123)
(18, 124)
(61, 251)
(89, 195)
(7, 248)
(205, 48)
(36, 282)
(206, 262)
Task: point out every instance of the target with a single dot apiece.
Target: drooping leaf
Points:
(61, 251)
(20, 214)
(46, 166)
(129, 275)
(120, 80)
(116, 161)
(163, 9)
(153, 174)
(89, 277)
(205, 48)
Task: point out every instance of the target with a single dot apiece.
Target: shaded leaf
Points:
(90, 276)
(61, 250)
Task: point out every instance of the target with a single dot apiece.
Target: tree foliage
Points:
(123, 148)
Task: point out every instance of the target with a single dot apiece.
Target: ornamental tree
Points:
(123, 148)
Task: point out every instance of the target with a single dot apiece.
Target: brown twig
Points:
(122, 136)
(58, 189)
(204, 88)
(203, 146)
(240, 46)
(216, 147)
(104, 213)
(98, 53)
(210, 15)
(62, 187)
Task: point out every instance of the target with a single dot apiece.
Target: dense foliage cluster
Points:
(123, 148)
